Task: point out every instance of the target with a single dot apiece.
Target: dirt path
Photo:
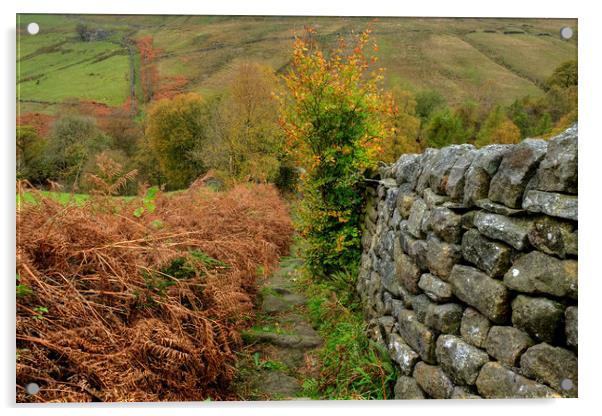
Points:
(276, 358)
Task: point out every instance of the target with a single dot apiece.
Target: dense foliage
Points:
(334, 120)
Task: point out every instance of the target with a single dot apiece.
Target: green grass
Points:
(453, 56)
(62, 197)
(351, 365)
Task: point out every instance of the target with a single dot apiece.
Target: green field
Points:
(474, 58)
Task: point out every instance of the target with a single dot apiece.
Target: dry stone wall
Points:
(469, 269)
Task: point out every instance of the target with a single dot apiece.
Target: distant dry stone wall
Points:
(469, 270)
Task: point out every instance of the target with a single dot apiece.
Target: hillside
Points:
(134, 56)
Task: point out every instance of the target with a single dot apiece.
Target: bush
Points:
(445, 128)
(334, 119)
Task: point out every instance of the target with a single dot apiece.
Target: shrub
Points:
(334, 120)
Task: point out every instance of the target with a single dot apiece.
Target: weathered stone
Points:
(553, 236)
(556, 205)
(386, 324)
(407, 272)
(443, 163)
(462, 393)
(406, 388)
(497, 382)
(418, 250)
(553, 366)
(558, 170)
(435, 288)
(513, 231)
(541, 318)
(417, 335)
(402, 354)
(506, 344)
(445, 224)
(391, 199)
(456, 178)
(433, 381)
(432, 199)
(475, 327)
(386, 270)
(395, 219)
(427, 159)
(404, 203)
(484, 165)
(515, 171)
(467, 220)
(407, 169)
(460, 360)
(571, 326)
(536, 272)
(487, 295)
(490, 206)
(421, 305)
(441, 257)
(572, 244)
(444, 318)
(417, 214)
(371, 209)
(493, 257)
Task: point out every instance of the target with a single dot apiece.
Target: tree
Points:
(335, 120)
(176, 130)
(406, 138)
(498, 128)
(564, 76)
(427, 102)
(74, 140)
(445, 128)
(245, 140)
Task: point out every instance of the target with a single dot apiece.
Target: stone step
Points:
(297, 341)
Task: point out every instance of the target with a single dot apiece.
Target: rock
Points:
(478, 176)
(474, 328)
(386, 324)
(395, 219)
(553, 236)
(536, 272)
(402, 354)
(421, 305)
(460, 360)
(497, 382)
(441, 257)
(418, 250)
(371, 209)
(444, 318)
(571, 325)
(445, 224)
(391, 199)
(435, 288)
(407, 169)
(555, 205)
(493, 257)
(506, 344)
(572, 244)
(405, 200)
(427, 159)
(432, 199)
(417, 336)
(443, 163)
(406, 388)
(463, 393)
(558, 170)
(407, 272)
(456, 178)
(388, 277)
(417, 214)
(554, 366)
(277, 383)
(513, 231)
(487, 295)
(541, 318)
(467, 220)
(515, 171)
(433, 381)
(490, 206)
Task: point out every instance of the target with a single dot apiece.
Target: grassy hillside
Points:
(497, 59)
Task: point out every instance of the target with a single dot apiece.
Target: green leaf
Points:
(138, 212)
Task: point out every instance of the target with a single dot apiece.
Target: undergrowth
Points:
(351, 365)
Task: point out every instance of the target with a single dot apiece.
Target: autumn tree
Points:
(498, 128)
(406, 137)
(334, 117)
(175, 131)
(245, 140)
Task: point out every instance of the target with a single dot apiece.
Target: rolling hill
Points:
(131, 58)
